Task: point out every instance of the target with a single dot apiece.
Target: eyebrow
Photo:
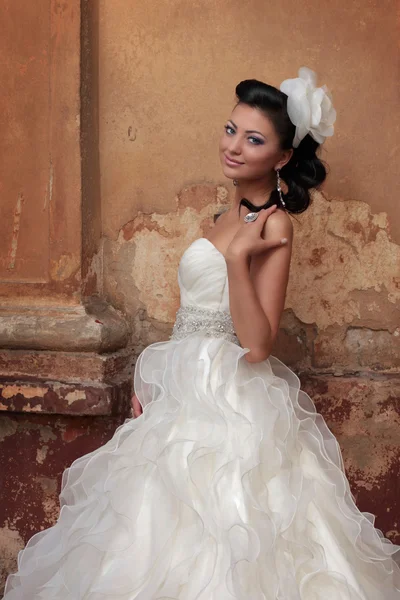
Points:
(248, 130)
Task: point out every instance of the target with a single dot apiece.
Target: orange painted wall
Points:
(167, 76)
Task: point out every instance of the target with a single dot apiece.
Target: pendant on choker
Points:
(251, 216)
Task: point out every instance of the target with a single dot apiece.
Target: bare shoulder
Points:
(279, 223)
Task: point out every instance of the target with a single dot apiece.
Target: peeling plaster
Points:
(11, 543)
(34, 409)
(66, 266)
(28, 392)
(50, 504)
(343, 264)
(49, 195)
(93, 278)
(46, 434)
(15, 232)
(363, 412)
(41, 454)
(370, 416)
(48, 485)
(75, 395)
(148, 278)
(380, 472)
(7, 428)
(341, 253)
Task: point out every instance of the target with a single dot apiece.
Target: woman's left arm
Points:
(257, 289)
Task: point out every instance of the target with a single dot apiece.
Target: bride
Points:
(228, 484)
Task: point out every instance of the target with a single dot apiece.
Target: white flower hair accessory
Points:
(309, 107)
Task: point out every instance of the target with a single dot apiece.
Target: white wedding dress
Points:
(229, 485)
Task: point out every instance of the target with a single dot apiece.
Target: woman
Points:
(229, 485)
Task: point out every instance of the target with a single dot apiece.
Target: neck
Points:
(257, 192)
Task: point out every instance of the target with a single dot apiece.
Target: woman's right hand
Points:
(136, 407)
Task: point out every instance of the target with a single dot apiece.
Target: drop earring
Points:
(279, 189)
(235, 182)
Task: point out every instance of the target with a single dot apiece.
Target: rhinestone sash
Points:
(212, 323)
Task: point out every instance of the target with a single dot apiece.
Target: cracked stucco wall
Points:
(161, 181)
(35, 450)
(160, 122)
(340, 328)
(344, 283)
(339, 331)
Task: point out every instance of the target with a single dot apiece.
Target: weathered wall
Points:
(167, 79)
(107, 177)
(34, 452)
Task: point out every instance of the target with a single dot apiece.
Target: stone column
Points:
(65, 370)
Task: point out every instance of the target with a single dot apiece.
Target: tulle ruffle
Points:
(229, 486)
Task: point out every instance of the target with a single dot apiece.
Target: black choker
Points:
(250, 205)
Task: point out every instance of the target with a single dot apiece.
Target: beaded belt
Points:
(212, 323)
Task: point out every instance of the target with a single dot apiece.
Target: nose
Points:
(235, 145)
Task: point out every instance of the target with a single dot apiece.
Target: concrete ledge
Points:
(55, 397)
(93, 327)
(66, 383)
(71, 367)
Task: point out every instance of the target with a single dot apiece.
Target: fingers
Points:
(136, 413)
(263, 216)
(265, 245)
(136, 406)
(268, 244)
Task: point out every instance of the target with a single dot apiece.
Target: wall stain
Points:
(15, 232)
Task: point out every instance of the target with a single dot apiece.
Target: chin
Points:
(227, 171)
(229, 176)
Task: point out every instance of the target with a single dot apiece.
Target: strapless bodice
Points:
(204, 292)
(202, 277)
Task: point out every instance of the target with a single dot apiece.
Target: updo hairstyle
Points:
(304, 170)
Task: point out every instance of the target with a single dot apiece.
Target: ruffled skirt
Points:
(229, 486)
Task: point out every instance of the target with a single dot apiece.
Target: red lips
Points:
(231, 160)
